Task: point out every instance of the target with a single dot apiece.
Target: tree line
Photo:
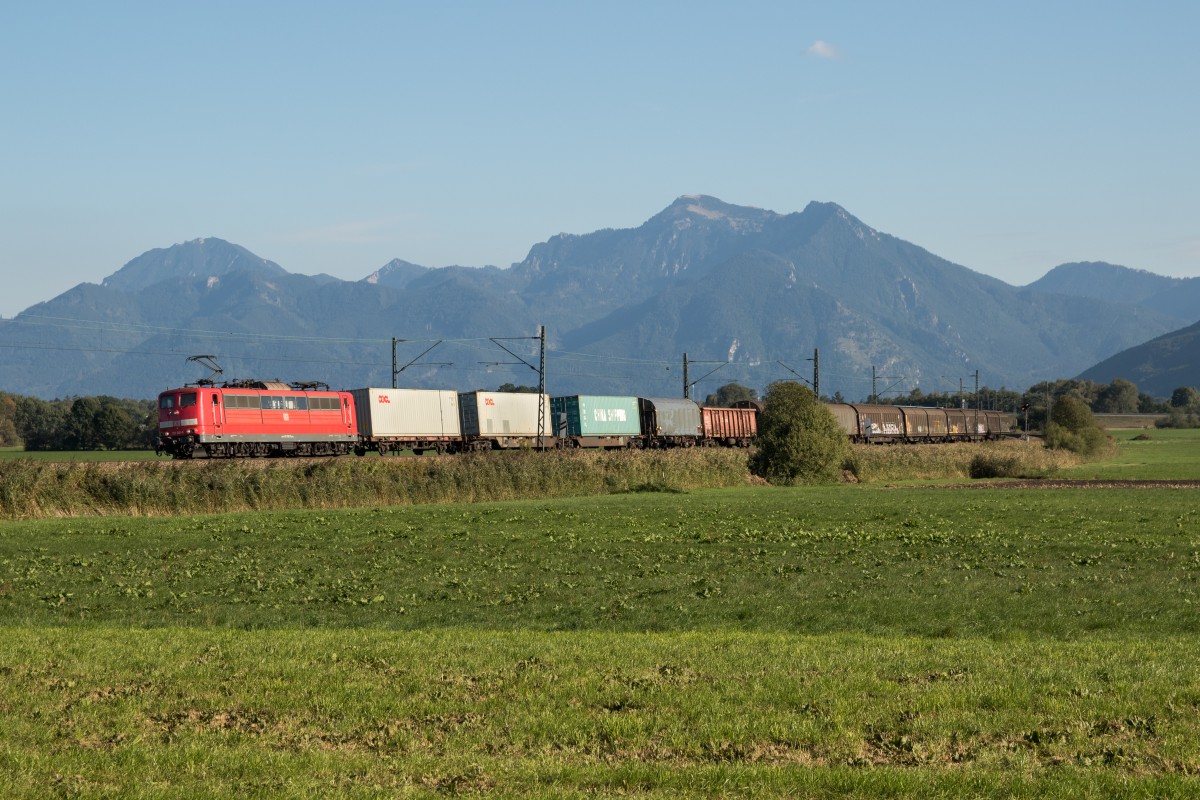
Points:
(77, 423)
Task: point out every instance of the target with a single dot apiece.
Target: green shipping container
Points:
(595, 415)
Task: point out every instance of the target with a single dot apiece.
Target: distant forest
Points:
(77, 423)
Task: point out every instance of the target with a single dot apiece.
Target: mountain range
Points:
(748, 294)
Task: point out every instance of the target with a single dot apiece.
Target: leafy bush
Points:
(1179, 417)
(995, 465)
(1006, 459)
(1072, 427)
(799, 441)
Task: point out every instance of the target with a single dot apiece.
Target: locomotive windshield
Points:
(171, 401)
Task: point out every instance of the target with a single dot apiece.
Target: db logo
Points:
(383, 398)
(489, 401)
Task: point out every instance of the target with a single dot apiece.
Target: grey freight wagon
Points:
(669, 422)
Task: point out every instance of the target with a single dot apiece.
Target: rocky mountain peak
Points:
(690, 209)
(397, 273)
(198, 258)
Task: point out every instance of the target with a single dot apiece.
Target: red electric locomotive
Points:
(255, 418)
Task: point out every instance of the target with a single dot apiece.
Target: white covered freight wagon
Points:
(502, 420)
(407, 419)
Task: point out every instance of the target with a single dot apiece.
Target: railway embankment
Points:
(32, 489)
(40, 489)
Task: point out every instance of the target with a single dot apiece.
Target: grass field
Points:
(78, 455)
(767, 642)
(1163, 454)
(848, 641)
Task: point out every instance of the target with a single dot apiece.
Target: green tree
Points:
(41, 423)
(799, 441)
(1118, 397)
(1184, 409)
(730, 393)
(1074, 387)
(1073, 427)
(145, 418)
(112, 426)
(1149, 404)
(8, 421)
(1186, 397)
(81, 424)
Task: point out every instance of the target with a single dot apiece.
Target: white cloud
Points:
(823, 49)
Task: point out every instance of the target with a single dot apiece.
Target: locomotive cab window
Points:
(188, 399)
(166, 401)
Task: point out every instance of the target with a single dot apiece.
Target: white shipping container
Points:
(489, 414)
(406, 413)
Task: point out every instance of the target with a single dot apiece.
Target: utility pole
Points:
(875, 378)
(542, 388)
(540, 369)
(976, 401)
(687, 381)
(397, 370)
(817, 373)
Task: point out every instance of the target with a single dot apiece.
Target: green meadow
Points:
(13, 453)
(1160, 454)
(843, 641)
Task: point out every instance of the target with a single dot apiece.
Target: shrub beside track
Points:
(37, 489)
(33, 489)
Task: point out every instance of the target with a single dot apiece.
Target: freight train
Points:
(267, 418)
(879, 424)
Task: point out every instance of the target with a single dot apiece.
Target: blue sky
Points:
(334, 137)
